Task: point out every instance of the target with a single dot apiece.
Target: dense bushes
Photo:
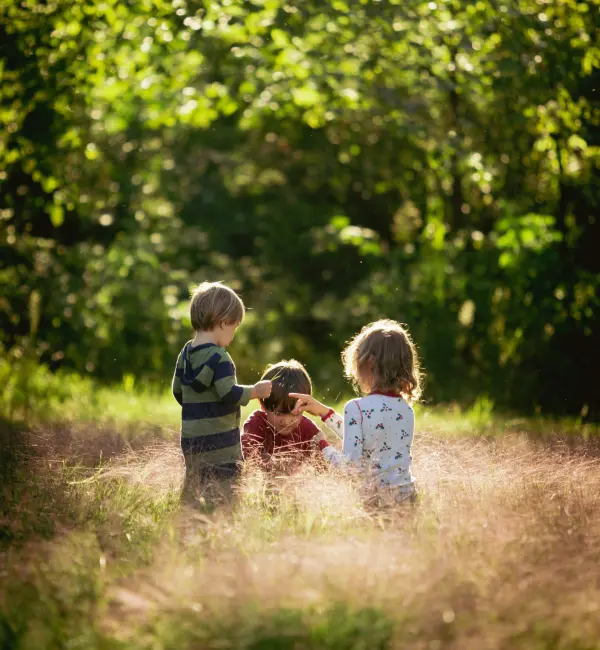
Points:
(433, 162)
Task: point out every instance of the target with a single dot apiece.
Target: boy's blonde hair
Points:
(212, 304)
(383, 357)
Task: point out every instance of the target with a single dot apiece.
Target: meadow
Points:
(432, 161)
(101, 549)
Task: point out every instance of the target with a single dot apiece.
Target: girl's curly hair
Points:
(382, 357)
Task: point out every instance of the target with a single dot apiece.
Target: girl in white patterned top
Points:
(378, 428)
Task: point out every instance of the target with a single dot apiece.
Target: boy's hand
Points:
(309, 404)
(262, 389)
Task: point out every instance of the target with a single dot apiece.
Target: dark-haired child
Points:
(274, 432)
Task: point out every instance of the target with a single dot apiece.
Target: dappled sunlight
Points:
(314, 497)
(427, 162)
(486, 511)
(158, 468)
(506, 527)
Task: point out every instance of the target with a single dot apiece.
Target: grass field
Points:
(100, 549)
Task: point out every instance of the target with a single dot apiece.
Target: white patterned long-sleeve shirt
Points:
(377, 431)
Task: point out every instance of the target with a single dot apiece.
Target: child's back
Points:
(205, 384)
(378, 428)
(210, 404)
(379, 431)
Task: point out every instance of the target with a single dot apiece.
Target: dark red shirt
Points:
(260, 442)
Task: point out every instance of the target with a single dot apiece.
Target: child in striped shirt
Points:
(377, 428)
(206, 386)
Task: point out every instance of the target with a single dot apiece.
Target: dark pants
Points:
(194, 464)
(204, 480)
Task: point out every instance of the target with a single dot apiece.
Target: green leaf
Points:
(306, 96)
(57, 215)
(339, 222)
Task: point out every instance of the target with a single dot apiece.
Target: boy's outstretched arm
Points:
(232, 393)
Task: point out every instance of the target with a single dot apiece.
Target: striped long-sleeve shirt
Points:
(205, 385)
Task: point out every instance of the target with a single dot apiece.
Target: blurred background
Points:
(334, 162)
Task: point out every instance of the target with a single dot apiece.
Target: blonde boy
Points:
(205, 384)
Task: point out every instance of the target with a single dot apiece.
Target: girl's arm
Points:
(334, 422)
(353, 433)
(350, 429)
(329, 417)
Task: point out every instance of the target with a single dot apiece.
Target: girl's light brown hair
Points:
(212, 304)
(382, 357)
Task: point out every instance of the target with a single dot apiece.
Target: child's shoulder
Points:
(354, 403)
(257, 416)
(361, 402)
(393, 402)
(208, 347)
(255, 424)
(205, 351)
(185, 348)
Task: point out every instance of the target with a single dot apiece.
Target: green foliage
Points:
(31, 392)
(435, 162)
(56, 604)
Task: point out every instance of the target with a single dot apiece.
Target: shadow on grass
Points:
(40, 467)
(27, 507)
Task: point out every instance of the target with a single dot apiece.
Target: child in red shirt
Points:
(274, 432)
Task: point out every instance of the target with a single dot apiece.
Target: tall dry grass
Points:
(501, 551)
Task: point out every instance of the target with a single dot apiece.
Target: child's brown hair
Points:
(286, 377)
(383, 357)
(212, 304)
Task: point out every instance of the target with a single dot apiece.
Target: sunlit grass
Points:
(482, 419)
(101, 548)
(137, 406)
(501, 548)
(30, 393)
